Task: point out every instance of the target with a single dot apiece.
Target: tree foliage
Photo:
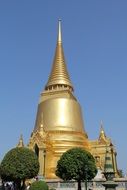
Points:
(19, 164)
(77, 164)
(39, 185)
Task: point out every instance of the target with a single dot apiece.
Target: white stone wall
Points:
(122, 185)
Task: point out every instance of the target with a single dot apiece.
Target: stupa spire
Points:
(102, 135)
(20, 143)
(59, 40)
(59, 77)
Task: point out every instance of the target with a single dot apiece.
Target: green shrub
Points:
(39, 185)
(52, 188)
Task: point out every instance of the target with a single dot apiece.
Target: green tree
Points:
(18, 165)
(39, 185)
(76, 164)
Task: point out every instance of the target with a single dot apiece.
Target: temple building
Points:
(59, 123)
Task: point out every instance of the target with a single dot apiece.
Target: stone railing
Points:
(92, 185)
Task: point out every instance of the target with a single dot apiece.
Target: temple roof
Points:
(59, 74)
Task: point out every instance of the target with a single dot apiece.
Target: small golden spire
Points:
(41, 129)
(59, 77)
(20, 144)
(102, 135)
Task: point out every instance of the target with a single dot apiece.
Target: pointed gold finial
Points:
(59, 32)
(41, 129)
(101, 129)
(59, 77)
(102, 135)
(20, 144)
(101, 123)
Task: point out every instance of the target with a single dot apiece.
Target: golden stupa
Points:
(59, 124)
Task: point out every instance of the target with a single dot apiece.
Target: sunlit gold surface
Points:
(61, 119)
(59, 74)
(59, 123)
(60, 114)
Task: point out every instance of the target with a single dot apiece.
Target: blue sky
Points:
(95, 47)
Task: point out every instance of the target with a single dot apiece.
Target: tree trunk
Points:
(17, 184)
(23, 184)
(85, 184)
(79, 185)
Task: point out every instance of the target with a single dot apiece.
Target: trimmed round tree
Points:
(18, 165)
(76, 164)
(39, 185)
